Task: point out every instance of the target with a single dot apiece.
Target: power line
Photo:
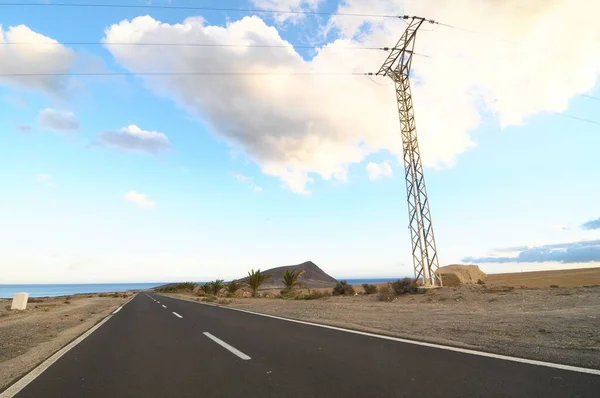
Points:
(91, 43)
(19, 74)
(193, 8)
(576, 118)
(590, 96)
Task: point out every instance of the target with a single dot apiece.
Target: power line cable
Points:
(199, 73)
(576, 118)
(91, 43)
(193, 8)
(590, 96)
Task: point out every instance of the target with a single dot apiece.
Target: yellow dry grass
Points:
(544, 279)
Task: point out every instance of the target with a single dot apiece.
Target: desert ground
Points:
(28, 337)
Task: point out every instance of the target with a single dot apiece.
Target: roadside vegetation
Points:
(233, 287)
(343, 289)
(177, 287)
(404, 286)
(293, 286)
(369, 289)
(255, 279)
(291, 280)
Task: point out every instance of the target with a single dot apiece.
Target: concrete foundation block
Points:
(19, 301)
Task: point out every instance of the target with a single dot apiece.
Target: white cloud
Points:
(45, 179)
(44, 56)
(61, 121)
(377, 170)
(133, 138)
(296, 127)
(288, 5)
(291, 126)
(247, 181)
(139, 199)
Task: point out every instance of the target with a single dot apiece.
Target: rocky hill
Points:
(312, 277)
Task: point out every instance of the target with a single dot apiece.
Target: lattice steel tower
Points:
(397, 66)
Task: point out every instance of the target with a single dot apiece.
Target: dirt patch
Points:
(558, 325)
(29, 337)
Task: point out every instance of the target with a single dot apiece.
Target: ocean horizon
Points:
(67, 289)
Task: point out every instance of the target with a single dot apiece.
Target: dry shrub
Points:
(385, 293)
(405, 285)
(369, 289)
(343, 289)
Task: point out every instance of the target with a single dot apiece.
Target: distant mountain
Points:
(312, 277)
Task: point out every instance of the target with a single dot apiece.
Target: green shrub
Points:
(288, 294)
(404, 286)
(207, 288)
(369, 289)
(177, 287)
(343, 289)
(291, 278)
(311, 296)
(255, 279)
(233, 287)
(385, 293)
(217, 286)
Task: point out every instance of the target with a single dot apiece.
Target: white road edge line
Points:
(174, 313)
(13, 390)
(117, 310)
(223, 344)
(164, 306)
(415, 342)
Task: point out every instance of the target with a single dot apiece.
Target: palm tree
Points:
(290, 278)
(255, 279)
(217, 285)
(234, 286)
(207, 287)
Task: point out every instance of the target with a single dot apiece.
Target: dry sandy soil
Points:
(540, 279)
(558, 325)
(29, 337)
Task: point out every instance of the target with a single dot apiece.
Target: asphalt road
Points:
(147, 350)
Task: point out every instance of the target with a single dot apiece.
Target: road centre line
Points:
(231, 349)
(177, 315)
(164, 306)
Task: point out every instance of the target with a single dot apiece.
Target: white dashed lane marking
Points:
(231, 349)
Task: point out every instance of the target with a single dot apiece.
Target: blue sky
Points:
(137, 178)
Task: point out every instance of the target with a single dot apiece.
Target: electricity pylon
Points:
(397, 67)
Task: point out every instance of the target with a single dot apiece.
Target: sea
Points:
(53, 290)
(370, 281)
